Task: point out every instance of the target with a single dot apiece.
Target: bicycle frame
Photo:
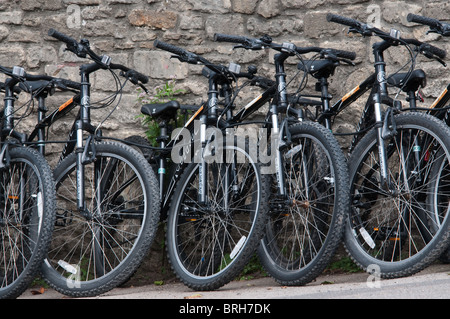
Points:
(206, 114)
(372, 113)
(441, 102)
(46, 121)
(166, 192)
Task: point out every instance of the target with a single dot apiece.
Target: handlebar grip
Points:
(39, 77)
(71, 84)
(140, 77)
(436, 51)
(343, 20)
(345, 54)
(168, 47)
(61, 37)
(423, 20)
(130, 73)
(219, 37)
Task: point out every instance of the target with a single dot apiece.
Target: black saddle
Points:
(164, 111)
(417, 79)
(33, 86)
(318, 68)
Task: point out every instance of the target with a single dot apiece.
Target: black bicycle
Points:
(390, 169)
(107, 195)
(308, 194)
(439, 191)
(211, 188)
(27, 197)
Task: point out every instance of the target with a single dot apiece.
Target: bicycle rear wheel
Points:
(92, 254)
(208, 244)
(27, 217)
(391, 228)
(306, 225)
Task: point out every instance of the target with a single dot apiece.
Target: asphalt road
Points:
(432, 283)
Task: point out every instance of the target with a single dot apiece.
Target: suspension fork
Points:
(280, 77)
(416, 148)
(380, 71)
(79, 128)
(325, 97)
(202, 168)
(211, 115)
(230, 175)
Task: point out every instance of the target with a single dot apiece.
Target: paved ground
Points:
(433, 282)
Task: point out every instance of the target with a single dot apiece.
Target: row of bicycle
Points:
(87, 225)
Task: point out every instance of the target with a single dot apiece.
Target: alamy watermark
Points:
(374, 279)
(220, 147)
(74, 19)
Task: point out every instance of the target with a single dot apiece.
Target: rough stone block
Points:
(157, 64)
(154, 19)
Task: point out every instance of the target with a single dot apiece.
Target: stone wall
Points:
(125, 30)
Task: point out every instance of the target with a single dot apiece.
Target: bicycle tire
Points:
(129, 220)
(306, 228)
(438, 199)
(227, 235)
(27, 219)
(394, 242)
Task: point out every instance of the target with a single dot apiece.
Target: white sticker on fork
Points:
(238, 247)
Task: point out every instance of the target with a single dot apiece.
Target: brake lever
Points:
(143, 87)
(60, 85)
(432, 56)
(440, 61)
(189, 59)
(347, 62)
(364, 30)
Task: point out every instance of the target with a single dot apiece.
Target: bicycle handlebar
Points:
(172, 48)
(423, 20)
(435, 25)
(82, 48)
(67, 83)
(192, 58)
(62, 37)
(344, 20)
(257, 44)
(20, 74)
(219, 37)
(183, 55)
(133, 75)
(367, 30)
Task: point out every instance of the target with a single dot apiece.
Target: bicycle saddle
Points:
(161, 110)
(33, 86)
(318, 68)
(417, 79)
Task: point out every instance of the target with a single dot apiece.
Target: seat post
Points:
(412, 99)
(323, 85)
(42, 109)
(162, 139)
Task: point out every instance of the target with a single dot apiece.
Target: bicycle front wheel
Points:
(209, 243)
(27, 217)
(306, 224)
(95, 252)
(391, 228)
